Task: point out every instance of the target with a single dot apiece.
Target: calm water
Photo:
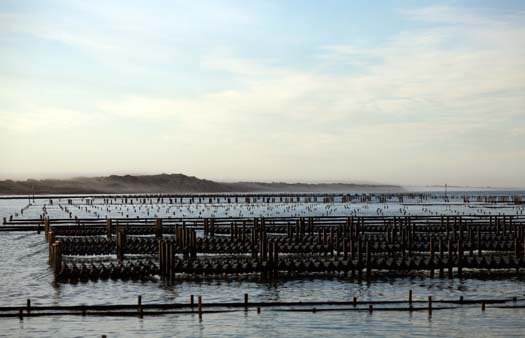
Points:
(25, 275)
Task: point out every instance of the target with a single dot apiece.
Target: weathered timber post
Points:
(276, 260)
(161, 257)
(199, 306)
(431, 263)
(449, 258)
(57, 258)
(139, 306)
(121, 243)
(460, 258)
(441, 258)
(368, 261)
(479, 240)
(51, 240)
(46, 228)
(109, 225)
(158, 228)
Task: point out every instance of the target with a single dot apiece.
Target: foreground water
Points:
(25, 274)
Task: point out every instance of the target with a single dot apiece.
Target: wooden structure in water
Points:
(291, 246)
(141, 309)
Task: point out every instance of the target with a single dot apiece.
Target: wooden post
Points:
(199, 306)
(275, 260)
(245, 302)
(46, 228)
(158, 227)
(430, 305)
(169, 260)
(243, 235)
(479, 240)
(253, 243)
(139, 305)
(470, 238)
(57, 257)
(449, 259)
(51, 240)
(410, 298)
(460, 258)
(440, 258)
(121, 243)
(431, 249)
(161, 257)
(109, 225)
(368, 262)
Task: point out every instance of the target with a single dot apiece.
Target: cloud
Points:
(436, 75)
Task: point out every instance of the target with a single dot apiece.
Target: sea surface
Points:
(24, 274)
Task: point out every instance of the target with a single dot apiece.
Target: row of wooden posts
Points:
(140, 309)
(351, 241)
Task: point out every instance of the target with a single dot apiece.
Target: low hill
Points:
(170, 183)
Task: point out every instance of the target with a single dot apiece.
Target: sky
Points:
(399, 92)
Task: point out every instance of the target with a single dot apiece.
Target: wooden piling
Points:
(431, 252)
(121, 243)
(199, 306)
(109, 226)
(57, 257)
(368, 261)
(158, 228)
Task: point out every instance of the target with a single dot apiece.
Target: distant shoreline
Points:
(174, 183)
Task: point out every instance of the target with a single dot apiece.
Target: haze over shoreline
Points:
(174, 183)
